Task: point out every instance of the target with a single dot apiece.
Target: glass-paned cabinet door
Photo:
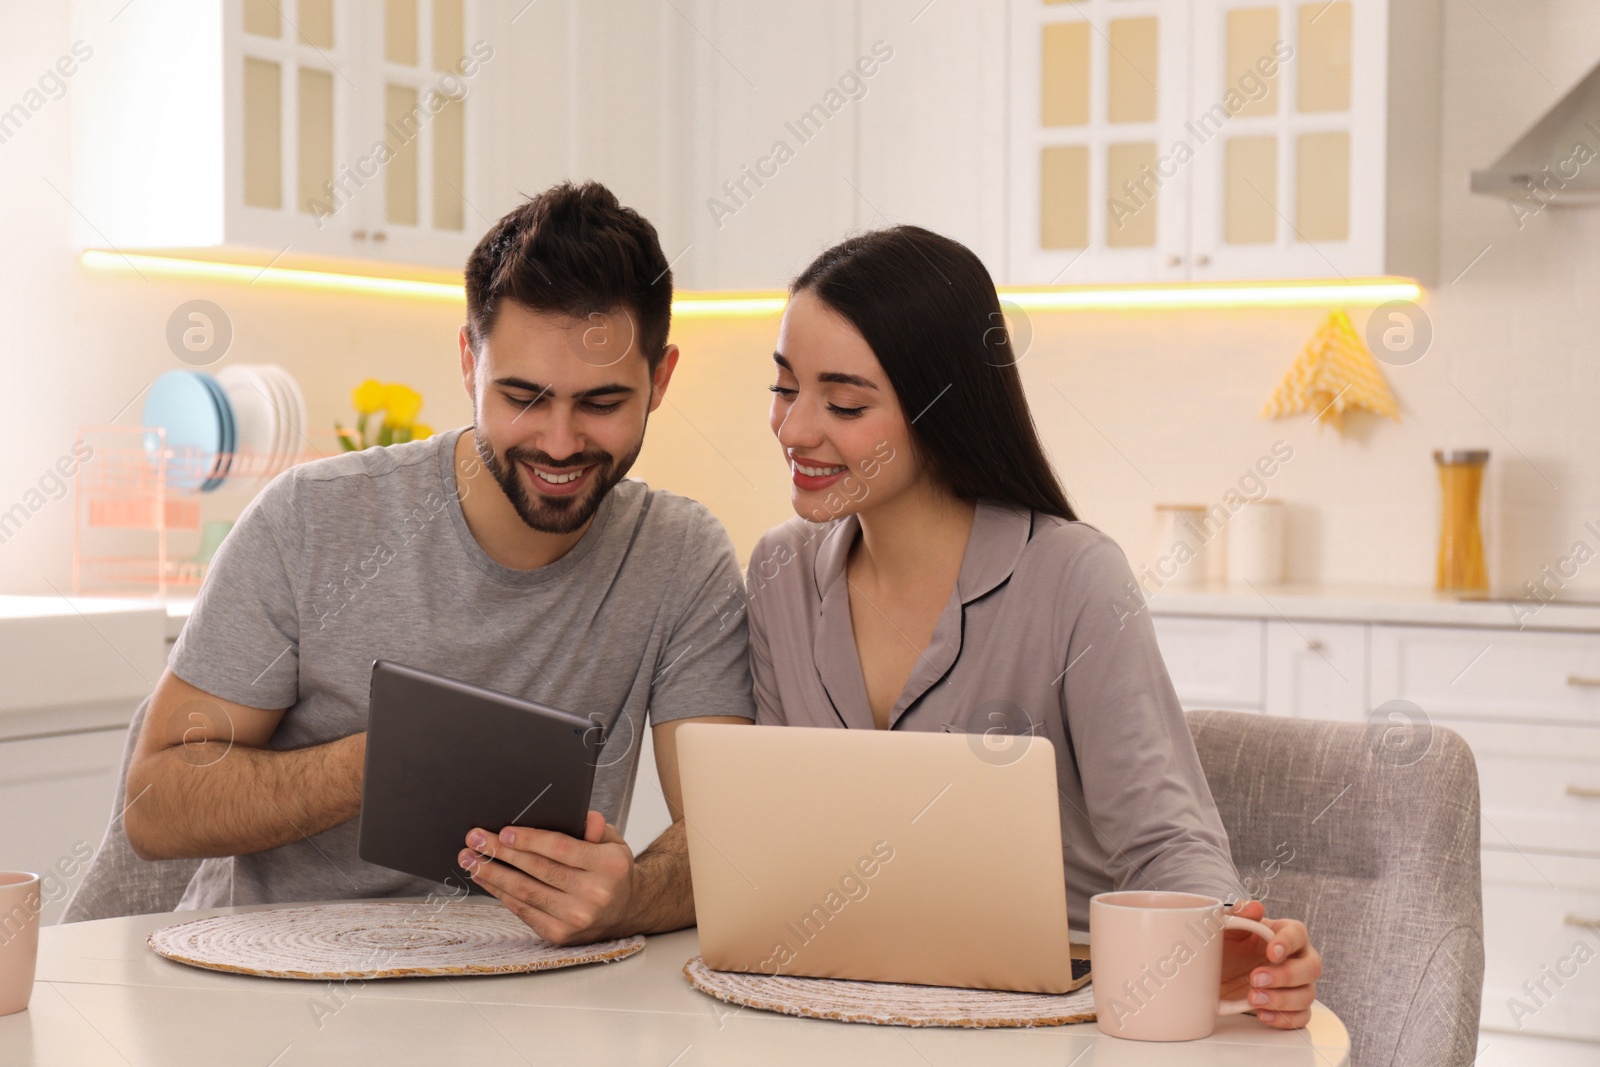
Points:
(427, 82)
(293, 69)
(1097, 91)
(1288, 121)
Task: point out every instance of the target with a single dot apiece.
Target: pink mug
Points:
(19, 938)
(1157, 961)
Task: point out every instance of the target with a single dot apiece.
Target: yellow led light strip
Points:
(170, 267)
(771, 302)
(687, 304)
(713, 305)
(1200, 295)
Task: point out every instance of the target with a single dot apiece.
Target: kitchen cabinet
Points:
(1098, 96)
(1316, 670)
(1213, 663)
(1527, 701)
(76, 663)
(775, 109)
(1540, 937)
(1092, 141)
(814, 121)
(1494, 675)
(290, 131)
(601, 91)
(56, 792)
(1202, 140)
(75, 670)
(931, 149)
(1539, 784)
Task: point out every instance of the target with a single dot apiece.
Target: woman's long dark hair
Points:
(929, 310)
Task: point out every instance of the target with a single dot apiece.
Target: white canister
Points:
(1255, 543)
(1180, 554)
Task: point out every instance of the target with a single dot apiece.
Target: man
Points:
(511, 554)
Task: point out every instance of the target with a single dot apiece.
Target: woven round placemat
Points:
(386, 939)
(891, 1004)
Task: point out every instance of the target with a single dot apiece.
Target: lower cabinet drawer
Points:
(1539, 784)
(1214, 663)
(1541, 920)
(1528, 675)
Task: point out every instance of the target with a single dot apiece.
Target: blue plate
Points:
(181, 403)
(230, 433)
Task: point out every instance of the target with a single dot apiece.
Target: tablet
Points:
(444, 756)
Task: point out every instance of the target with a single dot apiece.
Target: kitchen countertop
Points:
(178, 614)
(1400, 605)
(52, 607)
(76, 663)
(59, 606)
(1396, 604)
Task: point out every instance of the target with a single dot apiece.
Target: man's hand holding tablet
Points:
(569, 891)
(572, 891)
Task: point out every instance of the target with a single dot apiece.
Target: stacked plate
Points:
(197, 447)
(249, 421)
(271, 414)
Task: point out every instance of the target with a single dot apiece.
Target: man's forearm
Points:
(217, 799)
(663, 894)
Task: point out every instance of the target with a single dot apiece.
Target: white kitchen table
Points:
(103, 997)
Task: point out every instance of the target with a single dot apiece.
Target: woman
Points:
(944, 583)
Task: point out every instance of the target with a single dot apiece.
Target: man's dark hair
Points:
(572, 250)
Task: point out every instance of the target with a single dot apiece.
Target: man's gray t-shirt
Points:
(367, 556)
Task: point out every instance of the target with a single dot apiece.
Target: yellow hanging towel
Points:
(1333, 374)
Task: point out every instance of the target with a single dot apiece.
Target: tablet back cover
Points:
(444, 756)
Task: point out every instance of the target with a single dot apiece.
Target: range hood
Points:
(1558, 160)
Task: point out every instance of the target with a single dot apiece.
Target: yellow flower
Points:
(401, 404)
(420, 431)
(368, 397)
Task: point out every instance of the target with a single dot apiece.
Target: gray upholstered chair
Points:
(118, 882)
(1369, 835)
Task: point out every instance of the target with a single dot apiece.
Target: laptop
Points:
(877, 856)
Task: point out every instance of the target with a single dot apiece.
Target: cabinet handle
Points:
(1579, 920)
(1588, 791)
(1174, 260)
(1313, 645)
(358, 235)
(379, 235)
(1202, 260)
(1586, 682)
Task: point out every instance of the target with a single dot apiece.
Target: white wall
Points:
(1162, 407)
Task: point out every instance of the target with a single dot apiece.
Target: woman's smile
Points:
(811, 475)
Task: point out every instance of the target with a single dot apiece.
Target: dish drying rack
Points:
(139, 516)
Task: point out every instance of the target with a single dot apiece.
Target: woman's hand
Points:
(1277, 978)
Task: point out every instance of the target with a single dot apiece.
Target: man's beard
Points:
(555, 515)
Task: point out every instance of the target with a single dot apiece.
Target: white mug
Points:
(1157, 961)
(19, 938)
